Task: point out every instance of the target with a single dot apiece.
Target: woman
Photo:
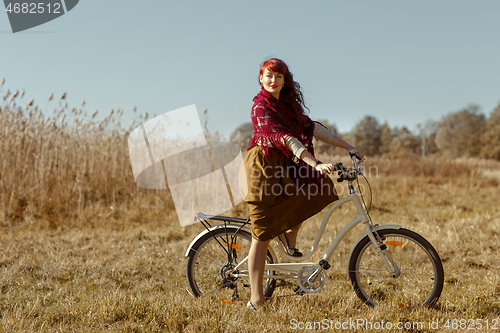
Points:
(286, 183)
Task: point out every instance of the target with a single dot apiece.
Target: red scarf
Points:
(272, 120)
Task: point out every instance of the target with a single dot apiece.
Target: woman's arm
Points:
(338, 142)
(315, 163)
(325, 135)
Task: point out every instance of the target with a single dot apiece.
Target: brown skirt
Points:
(278, 197)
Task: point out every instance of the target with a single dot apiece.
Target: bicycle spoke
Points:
(217, 264)
(416, 263)
(407, 253)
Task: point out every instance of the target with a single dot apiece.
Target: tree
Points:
(404, 145)
(366, 135)
(430, 145)
(386, 136)
(242, 135)
(458, 134)
(491, 136)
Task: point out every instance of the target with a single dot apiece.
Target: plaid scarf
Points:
(272, 120)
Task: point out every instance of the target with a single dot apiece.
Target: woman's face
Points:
(273, 82)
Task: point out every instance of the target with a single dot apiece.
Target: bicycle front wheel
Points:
(210, 267)
(417, 281)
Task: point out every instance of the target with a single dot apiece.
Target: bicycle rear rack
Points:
(203, 219)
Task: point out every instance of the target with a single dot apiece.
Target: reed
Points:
(59, 173)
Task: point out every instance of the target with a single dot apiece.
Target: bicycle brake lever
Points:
(337, 166)
(354, 153)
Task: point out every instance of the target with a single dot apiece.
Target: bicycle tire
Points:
(421, 278)
(208, 267)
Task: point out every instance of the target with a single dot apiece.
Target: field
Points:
(83, 249)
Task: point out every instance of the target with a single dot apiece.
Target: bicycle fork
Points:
(381, 248)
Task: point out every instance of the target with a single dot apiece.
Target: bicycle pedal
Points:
(299, 291)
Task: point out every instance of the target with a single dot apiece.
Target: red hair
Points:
(291, 93)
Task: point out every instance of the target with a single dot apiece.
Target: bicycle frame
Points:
(295, 267)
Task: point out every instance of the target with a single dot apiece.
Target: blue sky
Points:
(400, 61)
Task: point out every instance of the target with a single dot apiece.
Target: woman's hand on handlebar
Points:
(325, 168)
(358, 152)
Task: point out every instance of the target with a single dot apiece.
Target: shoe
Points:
(250, 306)
(291, 251)
(295, 252)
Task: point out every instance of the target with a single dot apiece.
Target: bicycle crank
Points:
(307, 284)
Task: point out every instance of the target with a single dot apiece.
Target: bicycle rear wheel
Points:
(419, 281)
(211, 261)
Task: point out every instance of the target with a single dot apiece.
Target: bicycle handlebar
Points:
(346, 173)
(337, 166)
(354, 153)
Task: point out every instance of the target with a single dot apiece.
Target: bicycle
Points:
(386, 265)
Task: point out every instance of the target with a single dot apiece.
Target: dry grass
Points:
(83, 249)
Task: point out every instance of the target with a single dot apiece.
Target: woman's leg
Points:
(291, 236)
(256, 263)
